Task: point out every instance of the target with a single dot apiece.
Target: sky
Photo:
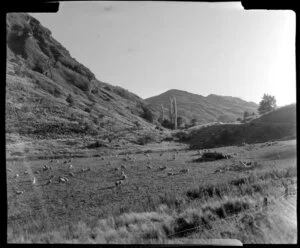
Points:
(203, 48)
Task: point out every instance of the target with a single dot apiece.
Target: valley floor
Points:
(157, 203)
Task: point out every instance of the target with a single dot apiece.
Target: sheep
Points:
(61, 179)
(118, 183)
(163, 168)
(17, 175)
(37, 172)
(71, 174)
(9, 170)
(25, 172)
(85, 169)
(18, 192)
(33, 180)
(170, 173)
(149, 167)
(70, 166)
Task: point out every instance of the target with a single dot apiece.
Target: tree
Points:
(267, 104)
(246, 114)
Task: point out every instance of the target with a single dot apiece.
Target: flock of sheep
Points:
(64, 179)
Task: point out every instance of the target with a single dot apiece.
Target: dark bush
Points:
(70, 100)
(145, 140)
(167, 124)
(96, 145)
(182, 136)
(147, 113)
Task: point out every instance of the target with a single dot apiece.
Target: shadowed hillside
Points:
(51, 95)
(205, 109)
(279, 124)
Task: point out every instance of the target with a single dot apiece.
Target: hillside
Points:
(212, 108)
(279, 124)
(50, 95)
(285, 114)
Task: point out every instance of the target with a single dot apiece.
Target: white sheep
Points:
(70, 166)
(17, 175)
(33, 180)
(118, 183)
(62, 180)
(18, 192)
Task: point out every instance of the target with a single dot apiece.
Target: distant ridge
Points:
(207, 109)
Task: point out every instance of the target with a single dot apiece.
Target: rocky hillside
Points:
(51, 95)
(205, 109)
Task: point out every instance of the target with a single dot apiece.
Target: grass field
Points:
(154, 204)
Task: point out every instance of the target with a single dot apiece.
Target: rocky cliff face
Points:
(51, 95)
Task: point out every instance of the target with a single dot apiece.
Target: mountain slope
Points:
(205, 109)
(51, 95)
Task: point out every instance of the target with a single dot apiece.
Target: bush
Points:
(96, 145)
(70, 100)
(147, 113)
(167, 124)
(145, 140)
(182, 136)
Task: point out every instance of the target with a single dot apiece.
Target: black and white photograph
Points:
(151, 122)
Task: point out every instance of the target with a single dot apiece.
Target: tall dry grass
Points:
(232, 210)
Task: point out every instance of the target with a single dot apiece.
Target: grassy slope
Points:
(278, 124)
(152, 205)
(204, 109)
(37, 104)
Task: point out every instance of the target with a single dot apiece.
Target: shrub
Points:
(70, 100)
(182, 136)
(147, 113)
(96, 145)
(145, 140)
(167, 124)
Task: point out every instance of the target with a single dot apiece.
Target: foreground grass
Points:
(231, 210)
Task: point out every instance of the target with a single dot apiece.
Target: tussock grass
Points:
(167, 216)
